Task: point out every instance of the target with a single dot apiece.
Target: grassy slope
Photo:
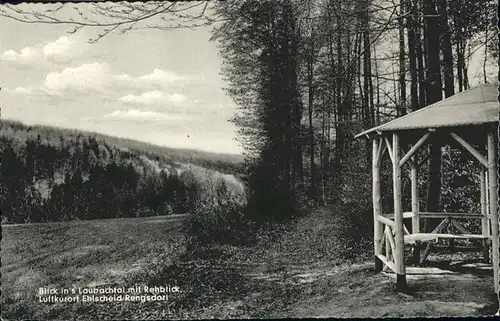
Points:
(78, 254)
(303, 274)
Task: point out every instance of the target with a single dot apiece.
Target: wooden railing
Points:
(438, 215)
(452, 215)
(387, 245)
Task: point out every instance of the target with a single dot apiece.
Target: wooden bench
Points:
(418, 239)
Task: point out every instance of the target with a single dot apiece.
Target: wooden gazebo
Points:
(468, 119)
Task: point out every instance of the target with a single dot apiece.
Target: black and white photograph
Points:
(249, 159)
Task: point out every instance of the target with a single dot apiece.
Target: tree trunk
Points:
(466, 67)
(358, 49)
(459, 68)
(321, 156)
(377, 78)
(367, 78)
(485, 76)
(297, 104)
(434, 94)
(402, 62)
(340, 122)
(310, 84)
(446, 49)
(412, 54)
(420, 59)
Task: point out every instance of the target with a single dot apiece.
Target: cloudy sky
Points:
(162, 87)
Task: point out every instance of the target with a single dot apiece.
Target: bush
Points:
(167, 209)
(219, 219)
(356, 229)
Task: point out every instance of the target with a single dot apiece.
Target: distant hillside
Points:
(52, 174)
(226, 163)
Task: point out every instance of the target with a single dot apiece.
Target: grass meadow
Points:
(79, 254)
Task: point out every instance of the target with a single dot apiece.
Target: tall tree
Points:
(369, 120)
(402, 59)
(271, 111)
(411, 25)
(419, 50)
(447, 51)
(311, 50)
(433, 94)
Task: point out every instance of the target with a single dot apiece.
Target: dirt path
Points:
(356, 291)
(302, 276)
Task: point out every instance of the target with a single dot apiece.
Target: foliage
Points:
(19, 133)
(218, 219)
(306, 78)
(261, 66)
(85, 178)
(461, 183)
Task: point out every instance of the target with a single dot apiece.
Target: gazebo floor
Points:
(447, 287)
(445, 269)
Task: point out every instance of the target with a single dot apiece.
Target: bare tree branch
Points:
(118, 17)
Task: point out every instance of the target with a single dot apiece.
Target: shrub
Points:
(355, 229)
(219, 219)
(167, 209)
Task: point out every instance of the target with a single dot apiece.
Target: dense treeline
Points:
(226, 163)
(85, 178)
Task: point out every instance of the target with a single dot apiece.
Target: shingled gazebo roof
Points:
(475, 106)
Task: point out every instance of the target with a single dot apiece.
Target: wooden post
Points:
(485, 230)
(493, 202)
(377, 206)
(415, 207)
(399, 255)
(487, 180)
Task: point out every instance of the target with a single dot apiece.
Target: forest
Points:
(306, 76)
(83, 177)
(309, 75)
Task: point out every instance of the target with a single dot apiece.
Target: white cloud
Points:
(61, 49)
(97, 77)
(154, 97)
(159, 76)
(176, 98)
(135, 114)
(87, 77)
(22, 90)
(26, 54)
(148, 98)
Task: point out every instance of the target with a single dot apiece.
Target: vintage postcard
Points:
(249, 159)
